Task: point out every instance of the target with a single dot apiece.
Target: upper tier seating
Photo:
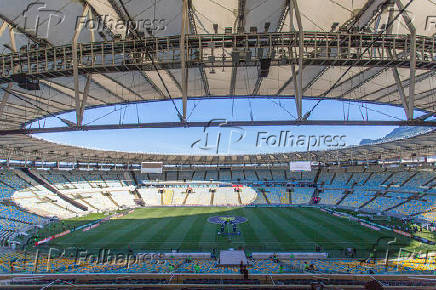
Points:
(359, 178)
(185, 175)
(325, 178)
(358, 198)
(225, 175)
(341, 180)
(108, 190)
(376, 180)
(278, 175)
(237, 175)
(250, 175)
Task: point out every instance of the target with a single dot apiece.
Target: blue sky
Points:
(252, 139)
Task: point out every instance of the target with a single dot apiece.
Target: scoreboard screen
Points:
(151, 167)
(300, 166)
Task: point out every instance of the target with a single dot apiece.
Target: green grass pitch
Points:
(267, 229)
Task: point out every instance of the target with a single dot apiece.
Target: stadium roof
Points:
(356, 50)
(16, 147)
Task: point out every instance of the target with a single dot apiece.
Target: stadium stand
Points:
(151, 196)
(237, 174)
(260, 197)
(186, 175)
(373, 191)
(199, 196)
(32, 205)
(296, 211)
(302, 195)
(250, 175)
(331, 196)
(14, 220)
(399, 193)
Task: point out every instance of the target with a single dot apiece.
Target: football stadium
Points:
(222, 144)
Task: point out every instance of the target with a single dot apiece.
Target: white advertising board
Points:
(300, 166)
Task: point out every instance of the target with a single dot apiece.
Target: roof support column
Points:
(183, 57)
(85, 96)
(3, 27)
(401, 90)
(88, 76)
(14, 49)
(412, 29)
(193, 30)
(298, 83)
(78, 29)
(239, 28)
(392, 54)
(293, 70)
(5, 98)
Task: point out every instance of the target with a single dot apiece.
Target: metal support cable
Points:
(366, 50)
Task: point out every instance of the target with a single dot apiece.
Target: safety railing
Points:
(216, 50)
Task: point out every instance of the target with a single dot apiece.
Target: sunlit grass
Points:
(267, 229)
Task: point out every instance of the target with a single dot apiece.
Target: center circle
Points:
(219, 220)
